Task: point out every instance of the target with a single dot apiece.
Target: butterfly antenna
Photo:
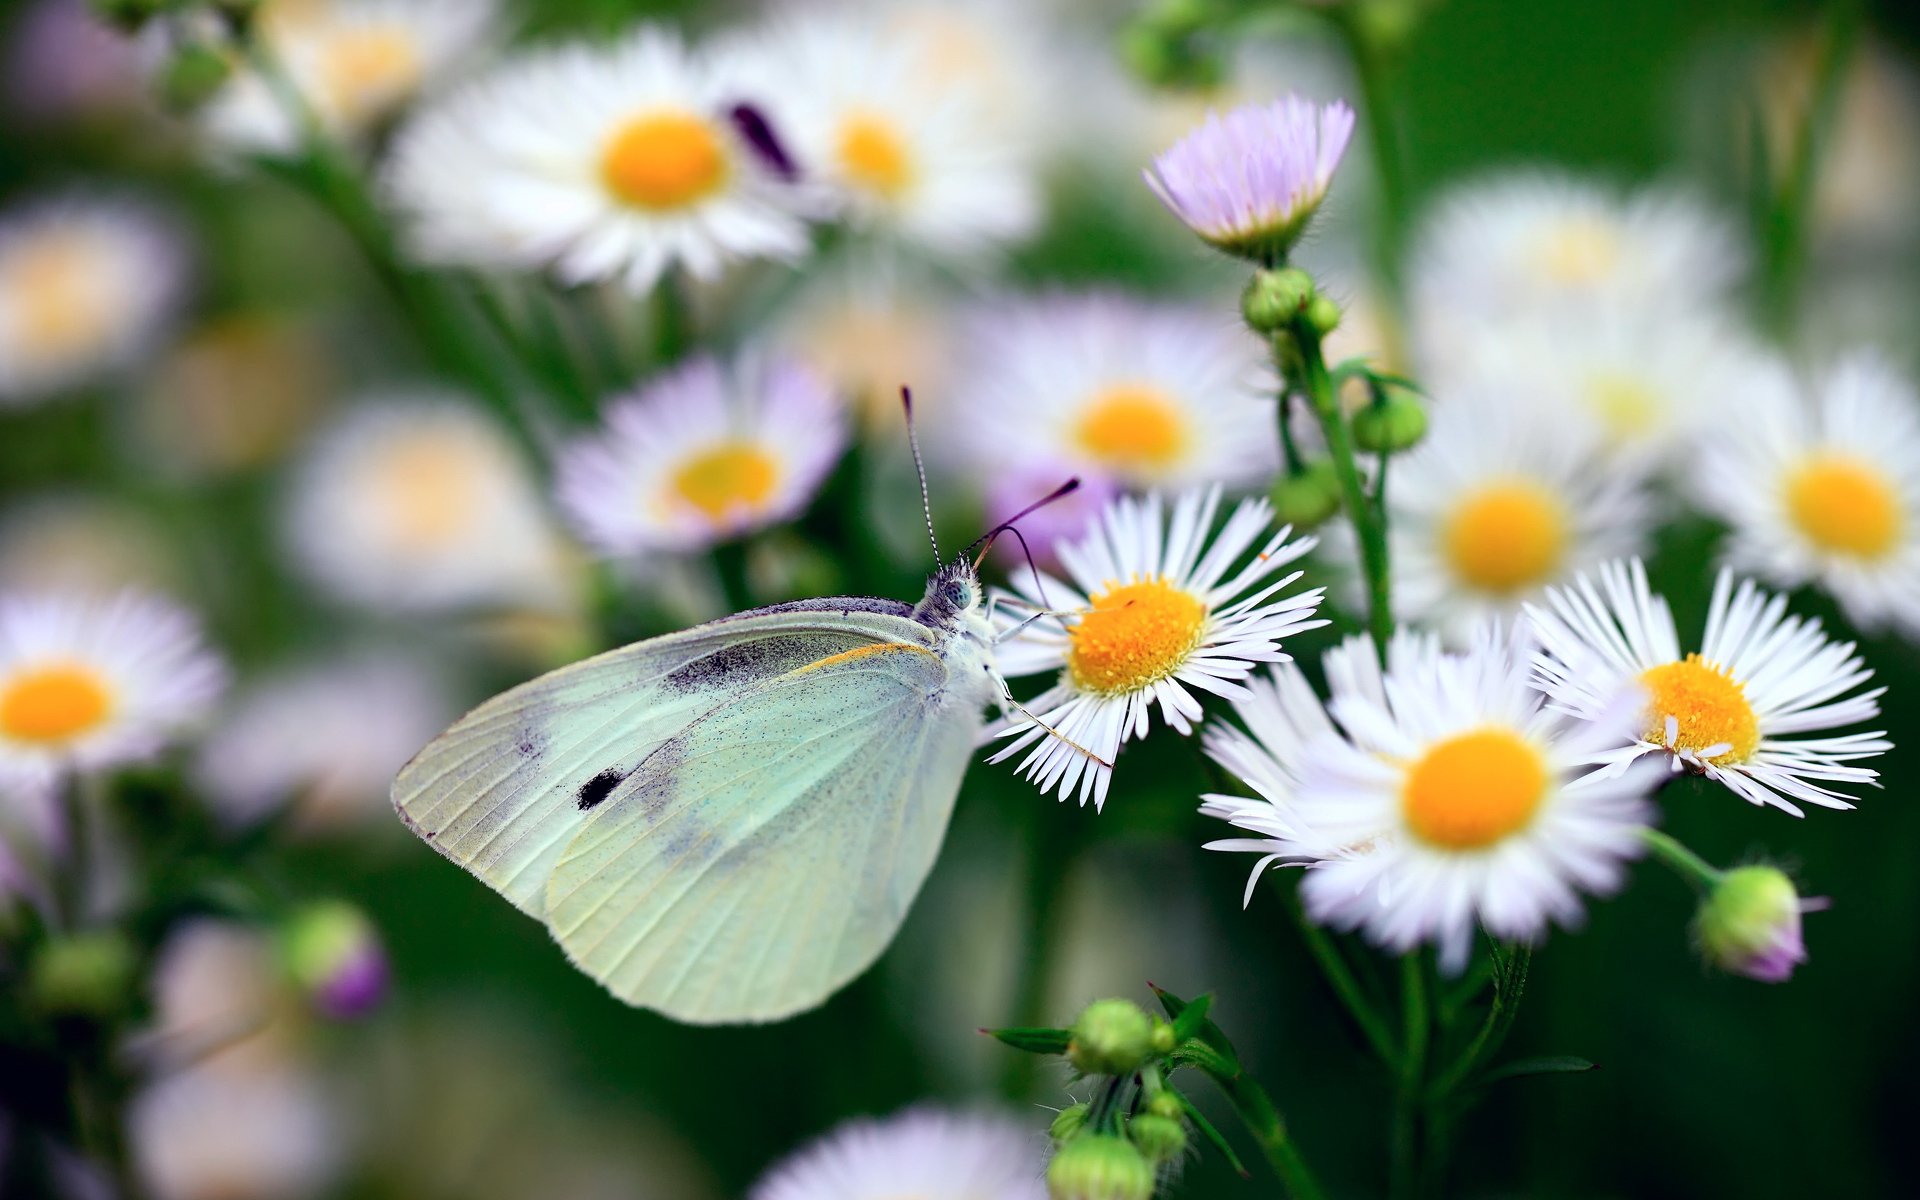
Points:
(1064, 490)
(1039, 587)
(920, 469)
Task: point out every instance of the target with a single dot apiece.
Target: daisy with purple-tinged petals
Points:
(1155, 607)
(923, 1152)
(1249, 180)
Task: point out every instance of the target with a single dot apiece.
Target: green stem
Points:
(730, 566)
(1492, 1032)
(1257, 1112)
(1381, 118)
(1368, 525)
(672, 319)
(1050, 860)
(1685, 863)
(1416, 1022)
(1785, 235)
(1345, 985)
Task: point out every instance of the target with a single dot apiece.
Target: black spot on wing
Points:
(594, 790)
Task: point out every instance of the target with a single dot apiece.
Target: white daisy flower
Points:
(1823, 487)
(1738, 710)
(1495, 504)
(1155, 608)
(1511, 245)
(1456, 797)
(87, 285)
(88, 683)
(417, 503)
(354, 62)
(1110, 387)
(897, 134)
(924, 1152)
(204, 1134)
(598, 162)
(701, 455)
(327, 738)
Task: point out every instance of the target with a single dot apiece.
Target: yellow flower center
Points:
(1579, 251)
(1474, 790)
(1507, 537)
(58, 292)
(1133, 635)
(54, 704)
(1134, 426)
(662, 161)
(874, 156)
(1625, 404)
(1708, 705)
(1846, 506)
(427, 488)
(727, 478)
(365, 70)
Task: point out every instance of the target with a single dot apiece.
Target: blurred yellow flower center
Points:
(664, 160)
(1131, 425)
(426, 487)
(727, 478)
(1474, 790)
(1507, 537)
(1133, 635)
(1580, 251)
(1708, 705)
(365, 70)
(1846, 506)
(53, 704)
(1624, 404)
(57, 290)
(874, 156)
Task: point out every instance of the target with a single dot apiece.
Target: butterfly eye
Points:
(957, 595)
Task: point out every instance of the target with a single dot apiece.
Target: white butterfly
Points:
(729, 823)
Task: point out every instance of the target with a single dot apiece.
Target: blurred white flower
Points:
(897, 130)
(419, 503)
(1156, 607)
(87, 285)
(926, 1153)
(1737, 711)
(89, 682)
(1821, 485)
(599, 162)
(82, 542)
(1109, 387)
(63, 62)
(354, 62)
(703, 454)
(327, 738)
(1457, 797)
(869, 335)
(1499, 501)
(220, 1001)
(212, 1135)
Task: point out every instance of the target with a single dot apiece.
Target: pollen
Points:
(1708, 706)
(662, 161)
(58, 288)
(874, 156)
(1133, 426)
(727, 478)
(1134, 635)
(365, 70)
(427, 489)
(53, 704)
(1580, 251)
(1846, 506)
(1474, 790)
(1507, 537)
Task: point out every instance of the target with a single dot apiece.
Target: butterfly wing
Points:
(504, 790)
(765, 856)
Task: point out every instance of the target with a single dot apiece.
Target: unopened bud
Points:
(1068, 1123)
(1750, 924)
(87, 974)
(193, 76)
(1112, 1037)
(334, 954)
(1395, 424)
(1166, 1103)
(1161, 1139)
(1323, 314)
(1099, 1167)
(1274, 297)
(1309, 498)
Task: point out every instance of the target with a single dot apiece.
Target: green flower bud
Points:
(1308, 499)
(1163, 1040)
(1273, 298)
(1750, 924)
(193, 76)
(1070, 1121)
(1390, 427)
(1323, 314)
(1112, 1037)
(1099, 1167)
(87, 974)
(1166, 1103)
(1161, 1139)
(334, 954)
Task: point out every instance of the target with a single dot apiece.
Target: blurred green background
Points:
(1708, 1085)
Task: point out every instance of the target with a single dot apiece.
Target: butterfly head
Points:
(953, 592)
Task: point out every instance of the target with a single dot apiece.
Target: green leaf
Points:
(1540, 1064)
(1189, 1021)
(1207, 1032)
(1387, 379)
(1213, 1135)
(1033, 1040)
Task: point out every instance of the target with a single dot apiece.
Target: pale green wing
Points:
(763, 858)
(504, 790)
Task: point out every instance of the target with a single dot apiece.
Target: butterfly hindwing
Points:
(764, 856)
